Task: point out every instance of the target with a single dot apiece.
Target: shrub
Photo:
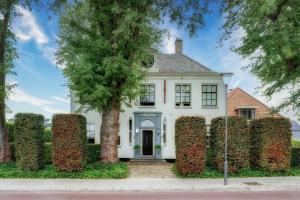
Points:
(69, 142)
(29, 148)
(48, 152)
(238, 143)
(47, 134)
(271, 144)
(93, 153)
(10, 129)
(12, 151)
(190, 138)
(295, 161)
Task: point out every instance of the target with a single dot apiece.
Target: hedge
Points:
(47, 134)
(69, 142)
(28, 134)
(10, 129)
(295, 160)
(190, 139)
(238, 143)
(93, 152)
(271, 144)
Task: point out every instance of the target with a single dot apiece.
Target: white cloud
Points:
(169, 41)
(19, 95)
(1, 16)
(53, 110)
(27, 28)
(60, 99)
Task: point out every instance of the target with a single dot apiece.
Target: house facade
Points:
(175, 86)
(242, 104)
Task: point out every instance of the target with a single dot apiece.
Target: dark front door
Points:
(147, 142)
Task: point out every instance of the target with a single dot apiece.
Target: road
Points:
(186, 195)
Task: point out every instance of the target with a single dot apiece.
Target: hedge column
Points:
(69, 142)
(271, 144)
(190, 139)
(238, 143)
(29, 144)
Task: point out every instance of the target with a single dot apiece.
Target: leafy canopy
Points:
(271, 40)
(102, 44)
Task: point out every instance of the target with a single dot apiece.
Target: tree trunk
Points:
(5, 155)
(109, 133)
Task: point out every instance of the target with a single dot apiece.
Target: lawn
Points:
(92, 171)
(212, 173)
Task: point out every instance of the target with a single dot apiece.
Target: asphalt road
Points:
(186, 195)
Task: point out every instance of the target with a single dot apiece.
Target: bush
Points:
(47, 135)
(190, 139)
(238, 143)
(271, 144)
(29, 148)
(69, 142)
(12, 151)
(93, 153)
(295, 161)
(10, 127)
(48, 152)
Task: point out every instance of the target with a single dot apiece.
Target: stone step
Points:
(147, 161)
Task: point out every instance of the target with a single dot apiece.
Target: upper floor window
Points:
(183, 95)
(148, 95)
(248, 113)
(209, 95)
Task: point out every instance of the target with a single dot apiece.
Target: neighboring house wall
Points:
(239, 102)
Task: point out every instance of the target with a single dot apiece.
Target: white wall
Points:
(168, 109)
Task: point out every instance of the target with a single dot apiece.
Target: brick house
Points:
(242, 104)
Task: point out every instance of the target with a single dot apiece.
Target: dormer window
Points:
(148, 95)
(248, 113)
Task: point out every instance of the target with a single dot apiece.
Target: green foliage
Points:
(92, 171)
(69, 142)
(29, 148)
(48, 153)
(295, 158)
(270, 40)
(47, 134)
(190, 139)
(243, 173)
(238, 143)
(295, 144)
(12, 151)
(271, 144)
(10, 129)
(93, 153)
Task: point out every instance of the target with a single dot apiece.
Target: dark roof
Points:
(177, 63)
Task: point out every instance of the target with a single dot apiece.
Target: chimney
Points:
(178, 46)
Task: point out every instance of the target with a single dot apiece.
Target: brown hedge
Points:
(69, 142)
(190, 139)
(271, 144)
(29, 144)
(238, 143)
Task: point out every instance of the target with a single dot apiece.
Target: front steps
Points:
(147, 161)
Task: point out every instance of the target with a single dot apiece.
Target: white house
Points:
(175, 86)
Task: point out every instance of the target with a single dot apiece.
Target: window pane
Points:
(209, 95)
(148, 96)
(214, 88)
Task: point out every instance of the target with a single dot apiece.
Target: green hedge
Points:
(69, 142)
(10, 129)
(271, 144)
(28, 134)
(295, 160)
(190, 139)
(93, 152)
(47, 134)
(238, 143)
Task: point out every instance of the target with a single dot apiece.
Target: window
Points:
(248, 113)
(165, 130)
(90, 132)
(130, 130)
(148, 97)
(209, 95)
(183, 95)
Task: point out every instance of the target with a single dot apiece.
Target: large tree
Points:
(102, 44)
(271, 40)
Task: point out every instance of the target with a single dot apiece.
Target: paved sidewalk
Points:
(154, 184)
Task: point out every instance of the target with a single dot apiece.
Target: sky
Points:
(42, 88)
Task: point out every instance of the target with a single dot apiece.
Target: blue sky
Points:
(41, 86)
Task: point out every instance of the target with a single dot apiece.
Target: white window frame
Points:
(183, 84)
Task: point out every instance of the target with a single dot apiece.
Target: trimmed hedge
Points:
(271, 144)
(28, 134)
(69, 142)
(190, 139)
(238, 143)
(295, 161)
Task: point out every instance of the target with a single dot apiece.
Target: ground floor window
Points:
(164, 130)
(130, 130)
(90, 127)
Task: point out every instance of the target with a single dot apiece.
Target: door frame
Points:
(153, 141)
